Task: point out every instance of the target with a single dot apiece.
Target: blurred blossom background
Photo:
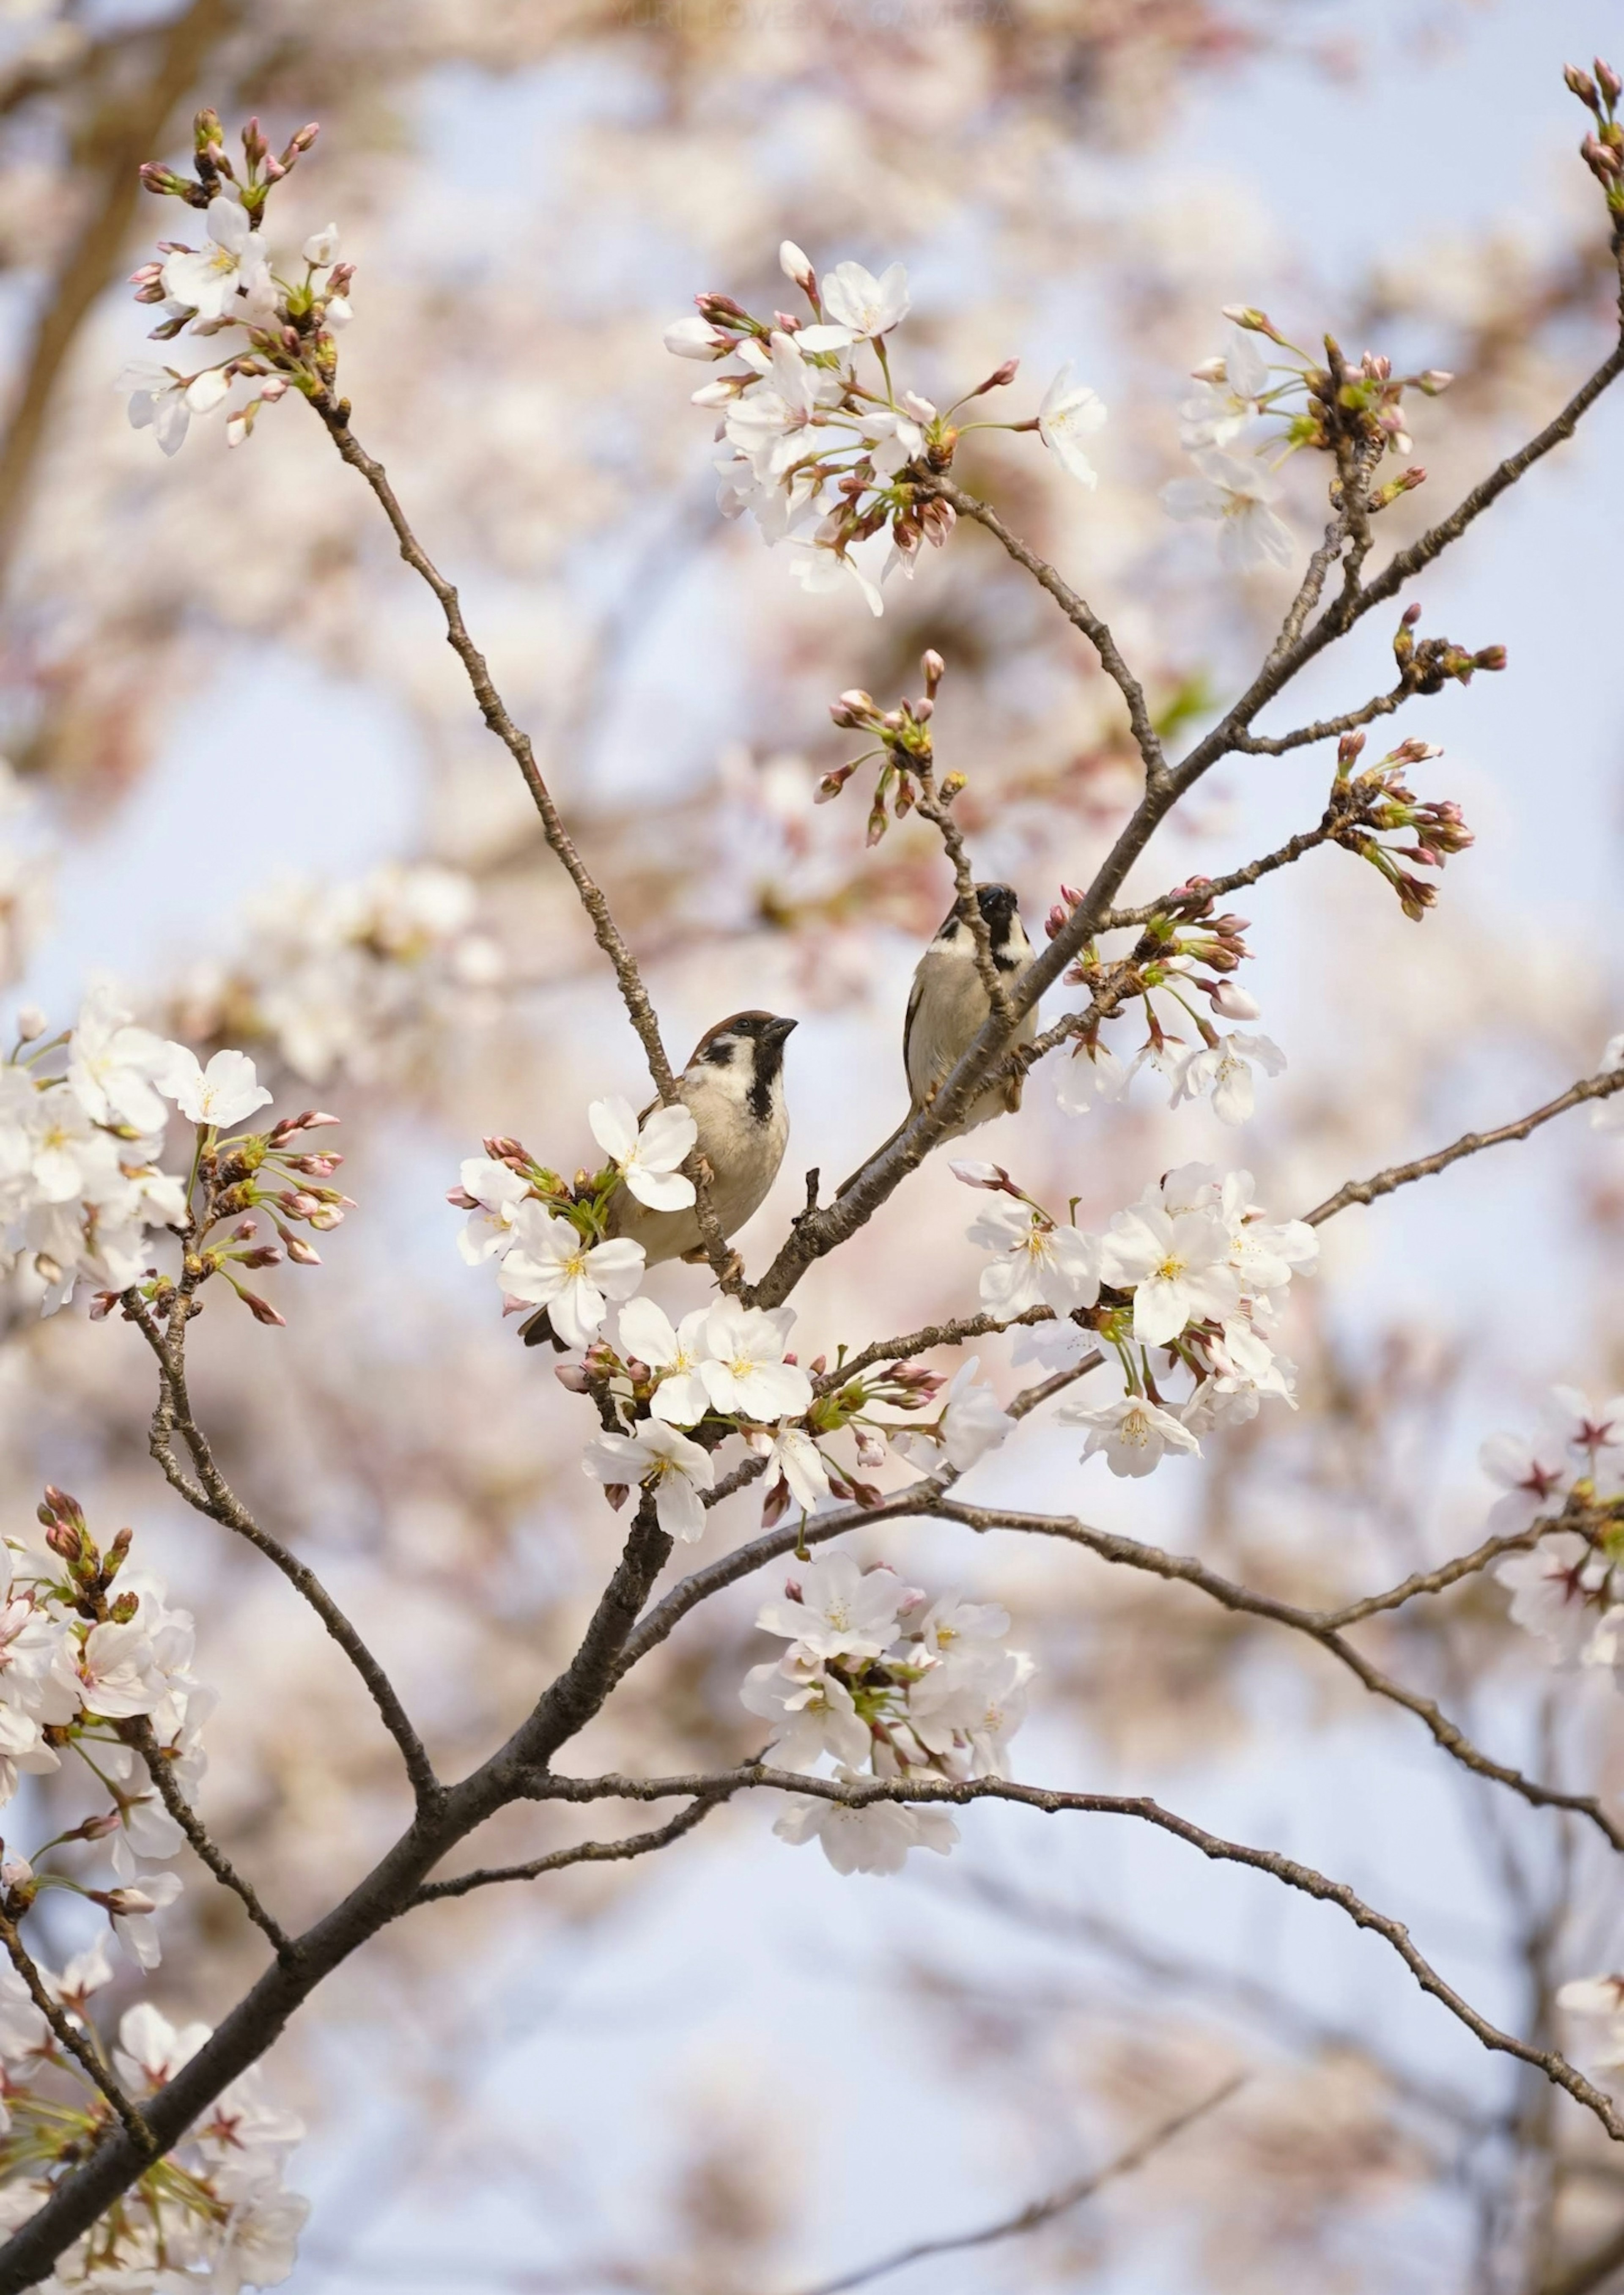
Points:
(247, 782)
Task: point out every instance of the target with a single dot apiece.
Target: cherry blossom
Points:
(1228, 392)
(1093, 1074)
(1179, 1268)
(647, 1337)
(812, 1713)
(861, 306)
(1552, 1590)
(1533, 1477)
(1041, 1264)
(834, 1609)
(223, 1093)
(115, 1067)
(1071, 412)
(872, 1840)
(646, 1158)
(1134, 1434)
(795, 1459)
(209, 281)
(550, 1265)
(1237, 494)
(743, 1369)
(973, 1422)
(664, 1461)
(1225, 1070)
(491, 1194)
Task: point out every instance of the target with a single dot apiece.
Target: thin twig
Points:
(1470, 1143)
(78, 2047)
(1037, 2212)
(140, 1733)
(584, 1852)
(957, 1793)
(213, 1495)
(1184, 1569)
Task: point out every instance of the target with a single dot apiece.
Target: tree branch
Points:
(955, 1794)
(584, 1852)
(140, 1733)
(1470, 1143)
(1037, 2212)
(78, 2047)
(213, 1495)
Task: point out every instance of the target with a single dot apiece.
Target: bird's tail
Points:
(852, 1179)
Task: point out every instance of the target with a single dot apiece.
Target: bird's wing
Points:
(914, 994)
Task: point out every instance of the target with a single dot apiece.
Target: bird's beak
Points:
(780, 1029)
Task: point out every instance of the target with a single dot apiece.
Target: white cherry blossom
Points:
(811, 1711)
(1227, 394)
(973, 1422)
(550, 1265)
(114, 1067)
(494, 1191)
(796, 1457)
(663, 1460)
(1092, 1075)
(1134, 1434)
(1534, 1476)
(1225, 1070)
(872, 1840)
(1237, 494)
(647, 1156)
(208, 281)
(223, 1093)
(743, 1369)
(646, 1334)
(1551, 1590)
(1179, 1268)
(1070, 413)
(1040, 1265)
(842, 1611)
(858, 305)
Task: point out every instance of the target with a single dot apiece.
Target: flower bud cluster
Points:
(1376, 803)
(887, 1683)
(1603, 149)
(1193, 1273)
(902, 741)
(214, 2212)
(290, 324)
(1182, 950)
(1429, 666)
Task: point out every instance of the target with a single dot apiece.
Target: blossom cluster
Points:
(829, 461)
(1568, 1589)
(1284, 406)
(338, 978)
(1195, 1274)
(212, 2214)
(84, 1196)
(887, 1683)
(91, 1655)
(281, 330)
(550, 1241)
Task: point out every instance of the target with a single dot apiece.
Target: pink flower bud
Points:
(932, 668)
(262, 1310)
(302, 1253)
(30, 1024)
(1612, 86)
(1231, 1002)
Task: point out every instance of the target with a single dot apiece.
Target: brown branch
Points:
(1470, 1143)
(78, 2047)
(1132, 1554)
(141, 1734)
(933, 808)
(957, 1793)
(1037, 2212)
(1324, 729)
(212, 1495)
(933, 1334)
(1077, 611)
(584, 1852)
(1211, 889)
(335, 415)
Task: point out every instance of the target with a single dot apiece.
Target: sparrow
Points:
(733, 1087)
(947, 1006)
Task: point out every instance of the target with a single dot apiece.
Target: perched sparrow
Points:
(948, 1008)
(733, 1087)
